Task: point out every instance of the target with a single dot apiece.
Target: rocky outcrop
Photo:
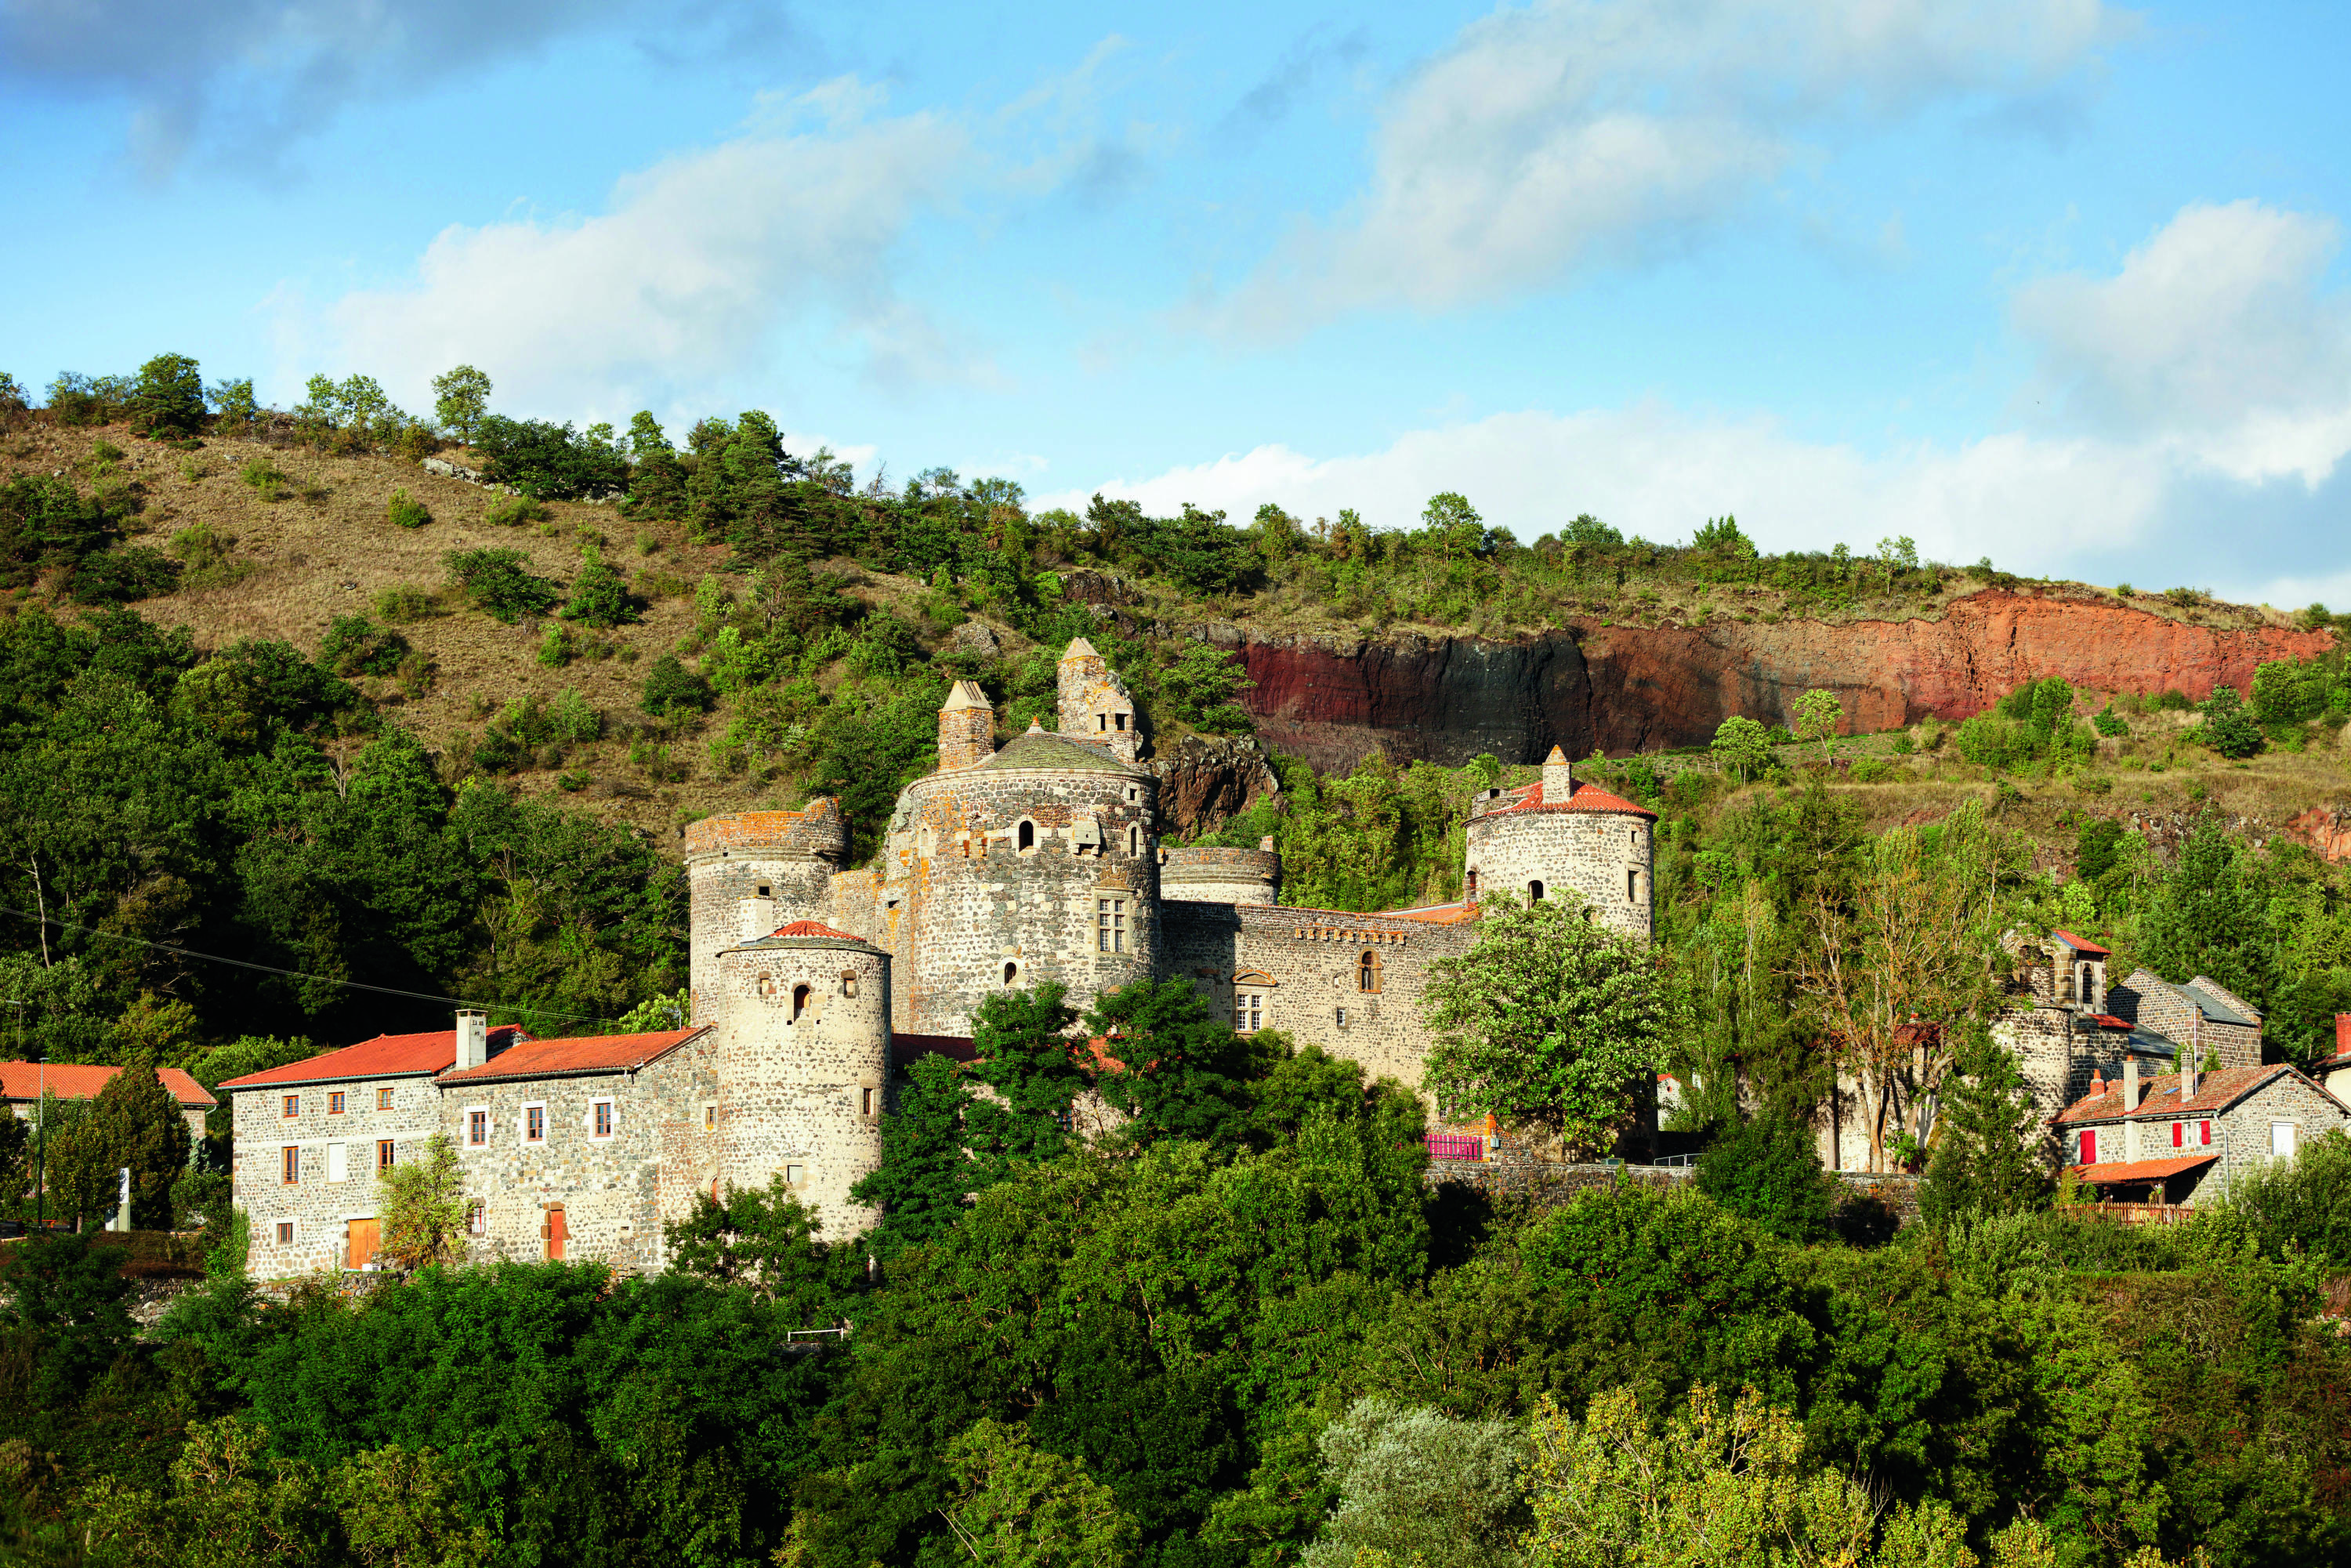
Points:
(2326, 829)
(1205, 780)
(1331, 699)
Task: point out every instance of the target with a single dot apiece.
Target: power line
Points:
(178, 952)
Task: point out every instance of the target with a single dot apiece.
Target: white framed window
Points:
(1110, 925)
(533, 1122)
(478, 1127)
(795, 1176)
(1249, 1011)
(603, 1115)
(2282, 1140)
(338, 1163)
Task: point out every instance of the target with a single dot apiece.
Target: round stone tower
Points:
(1035, 863)
(1559, 837)
(802, 1022)
(1221, 876)
(751, 872)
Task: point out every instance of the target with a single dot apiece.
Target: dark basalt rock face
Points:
(1204, 780)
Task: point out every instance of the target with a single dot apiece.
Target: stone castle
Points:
(1036, 861)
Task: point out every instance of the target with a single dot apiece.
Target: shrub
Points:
(555, 649)
(403, 605)
(2230, 728)
(2110, 723)
(76, 399)
(2174, 701)
(499, 582)
(405, 511)
(266, 482)
(575, 719)
(2282, 1210)
(554, 461)
(513, 511)
(1872, 769)
(1767, 1170)
(2187, 598)
(209, 556)
(671, 688)
(355, 645)
(1417, 1486)
(121, 575)
(600, 596)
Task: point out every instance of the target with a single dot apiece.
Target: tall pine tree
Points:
(2210, 918)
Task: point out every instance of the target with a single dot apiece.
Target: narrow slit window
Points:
(1631, 888)
(865, 1101)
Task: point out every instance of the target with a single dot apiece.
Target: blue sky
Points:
(2048, 280)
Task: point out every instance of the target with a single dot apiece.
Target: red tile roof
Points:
(385, 1056)
(2079, 946)
(2216, 1090)
(813, 929)
(2139, 1170)
(82, 1081)
(587, 1053)
(1582, 798)
(2108, 1020)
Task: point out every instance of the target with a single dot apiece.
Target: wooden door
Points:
(364, 1235)
(555, 1233)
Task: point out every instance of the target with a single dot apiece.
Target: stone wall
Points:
(2148, 1001)
(2243, 1135)
(1605, 856)
(615, 1191)
(1307, 964)
(1094, 704)
(803, 1094)
(319, 1208)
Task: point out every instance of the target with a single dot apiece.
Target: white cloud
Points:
(1554, 135)
(689, 276)
(2215, 336)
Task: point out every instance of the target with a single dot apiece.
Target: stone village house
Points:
(812, 986)
(22, 1084)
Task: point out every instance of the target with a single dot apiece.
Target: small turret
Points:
(1095, 706)
(966, 727)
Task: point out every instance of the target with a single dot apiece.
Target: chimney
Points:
(966, 728)
(758, 918)
(473, 1040)
(2130, 1085)
(1558, 778)
(2191, 1060)
(2342, 1033)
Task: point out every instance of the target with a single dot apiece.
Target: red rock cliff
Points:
(1333, 699)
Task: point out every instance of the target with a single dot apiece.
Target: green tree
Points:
(1743, 748)
(1201, 686)
(1023, 1507)
(500, 582)
(1767, 1170)
(1986, 1156)
(1421, 1487)
(2210, 917)
(1818, 713)
(600, 594)
(422, 1202)
(133, 1122)
(1025, 1052)
(1549, 1020)
(764, 1240)
(924, 1174)
(170, 398)
(2230, 727)
(1181, 1067)
(460, 399)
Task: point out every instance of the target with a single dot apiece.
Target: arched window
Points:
(1028, 835)
(799, 1002)
(847, 983)
(1367, 972)
(1134, 841)
(1535, 892)
(767, 985)
(1011, 973)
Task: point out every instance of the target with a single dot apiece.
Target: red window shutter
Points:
(2177, 1134)
(2089, 1149)
(2204, 1133)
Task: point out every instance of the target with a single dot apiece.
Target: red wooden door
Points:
(555, 1233)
